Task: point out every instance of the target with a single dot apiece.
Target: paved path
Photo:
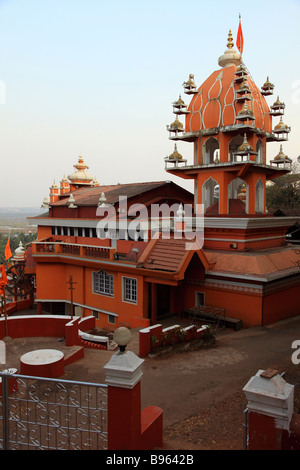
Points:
(183, 384)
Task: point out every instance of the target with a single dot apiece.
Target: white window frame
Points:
(129, 286)
(103, 283)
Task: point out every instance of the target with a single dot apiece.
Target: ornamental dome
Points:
(281, 156)
(281, 126)
(217, 102)
(245, 145)
(244, 86)
(277, 103)
(19, 253)
(245, 111)
(81, 176)
(179, 101)
(176, 125)
(175, 155)
(215, 105)
(230, 56)
(267, 87)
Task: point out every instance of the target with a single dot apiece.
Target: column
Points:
(270, 405)
(129, 428)
(153, 303)
(123, 375)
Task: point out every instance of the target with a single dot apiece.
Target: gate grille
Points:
(51, 414)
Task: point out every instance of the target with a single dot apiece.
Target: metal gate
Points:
(51, 414)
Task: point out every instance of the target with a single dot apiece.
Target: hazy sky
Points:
(99, 78)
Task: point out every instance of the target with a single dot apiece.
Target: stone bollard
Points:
(270, 406)
(126, 423)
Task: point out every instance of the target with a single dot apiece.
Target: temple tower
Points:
(229, 123)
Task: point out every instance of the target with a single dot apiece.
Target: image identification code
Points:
(153, 459)
(171, 459)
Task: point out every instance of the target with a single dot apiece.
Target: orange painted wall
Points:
(53, 285)
(114, 304)
(276, 307)
(244, 306)
(51, 279)
(43, 232)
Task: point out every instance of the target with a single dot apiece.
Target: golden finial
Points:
(230, 40)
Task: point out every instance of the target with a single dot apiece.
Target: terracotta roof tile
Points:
(263, 263)
(88, 196)
(167, 255)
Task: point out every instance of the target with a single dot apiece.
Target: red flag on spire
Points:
(240, 39)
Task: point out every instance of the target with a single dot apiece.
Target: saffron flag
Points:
(3, 279)
(240, 39)
(7, 252)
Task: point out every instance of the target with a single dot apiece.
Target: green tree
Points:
(14, 242)
(284, 195)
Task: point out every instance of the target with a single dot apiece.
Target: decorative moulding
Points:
(270, 395)
(123, 370)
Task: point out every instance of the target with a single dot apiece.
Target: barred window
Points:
(103, 283)
(129, 289)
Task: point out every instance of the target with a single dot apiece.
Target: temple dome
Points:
(215, 105)
(81, 176)
(222, 96)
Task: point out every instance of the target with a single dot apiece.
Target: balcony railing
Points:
(71, 249)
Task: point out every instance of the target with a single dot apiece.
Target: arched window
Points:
(259, 197)
(260, 151)
(209, 194)
(234, 145)
(238, 190)
(209, 148)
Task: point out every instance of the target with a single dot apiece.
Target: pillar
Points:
(129, 428)
(270, 405)
(123, 375)
(153, 303)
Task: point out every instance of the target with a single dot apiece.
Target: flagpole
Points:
(5, 312)
(239, 38)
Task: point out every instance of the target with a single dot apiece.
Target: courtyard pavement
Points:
(184, 383)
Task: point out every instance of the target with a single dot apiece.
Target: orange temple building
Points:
(244, 268)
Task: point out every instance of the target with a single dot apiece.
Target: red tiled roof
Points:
(264, 263)
(89, 196)
(167, 255)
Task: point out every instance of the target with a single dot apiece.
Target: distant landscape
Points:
(15, 218)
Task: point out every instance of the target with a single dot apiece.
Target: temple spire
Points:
(230, 56)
